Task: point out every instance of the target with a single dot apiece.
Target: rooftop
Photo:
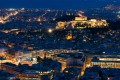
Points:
(71, 55)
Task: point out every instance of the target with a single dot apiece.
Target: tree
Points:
(39, 59)
(19, 64)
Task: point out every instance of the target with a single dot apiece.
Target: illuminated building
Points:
(80, 18)
(107, 61)
(47, 68)
(71, 60)
(69, 36)
(82, 22)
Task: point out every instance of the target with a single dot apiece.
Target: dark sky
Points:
(57, 4)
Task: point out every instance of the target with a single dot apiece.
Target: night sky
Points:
(57, 4)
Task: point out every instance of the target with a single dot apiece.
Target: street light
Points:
(50, 30)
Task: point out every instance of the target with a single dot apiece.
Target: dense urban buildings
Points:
(60, 44)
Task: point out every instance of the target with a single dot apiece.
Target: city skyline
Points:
(59, 39)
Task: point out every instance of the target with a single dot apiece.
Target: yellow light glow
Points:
(50, 30)
(69, 37)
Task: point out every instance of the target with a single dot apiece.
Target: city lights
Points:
(58, 43)
(50, 30)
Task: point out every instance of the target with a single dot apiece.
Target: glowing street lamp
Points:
(50, 30)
